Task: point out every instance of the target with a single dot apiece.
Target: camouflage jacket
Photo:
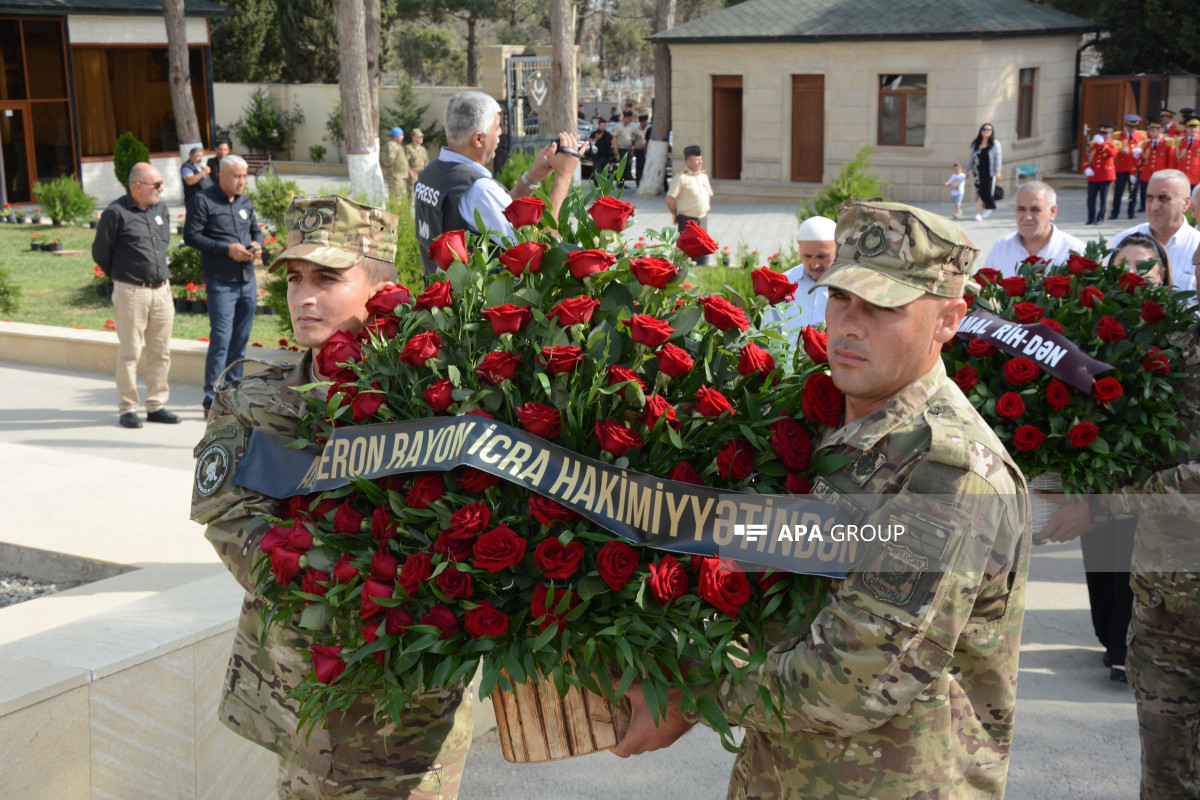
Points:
(905, 684)
(267, 664)
(1168, 507)
(418, 156)
(394, 161)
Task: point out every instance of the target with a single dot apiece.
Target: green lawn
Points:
(57, 290)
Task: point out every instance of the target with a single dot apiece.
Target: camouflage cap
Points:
(890, 254)
(337, 232)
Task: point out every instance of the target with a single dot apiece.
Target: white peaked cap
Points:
(816, 229)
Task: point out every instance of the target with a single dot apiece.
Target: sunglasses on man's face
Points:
(156, 186)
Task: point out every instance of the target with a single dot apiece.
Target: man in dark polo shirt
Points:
(131, 248)
(222, 226)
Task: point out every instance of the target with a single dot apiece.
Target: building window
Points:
(902, 110)
(1028, 77)
(122, 89)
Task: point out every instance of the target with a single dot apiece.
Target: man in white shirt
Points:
(1168, 196)
(817, 250)
(1036, 206)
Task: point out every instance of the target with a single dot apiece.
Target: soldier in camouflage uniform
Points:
(394, 163)
(339, 253)
(418, 157)
(905, 684)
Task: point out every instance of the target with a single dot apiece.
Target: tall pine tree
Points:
(246, 47)
(308, 30)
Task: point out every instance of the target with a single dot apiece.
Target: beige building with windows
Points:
(781, 93)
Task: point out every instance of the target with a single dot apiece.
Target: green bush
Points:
(316, 154)
(514, 167)
(64, 199)
(271, 197)
(265, 127)
(185, 265)
(854, 180)
(129, 151)
(9, 293)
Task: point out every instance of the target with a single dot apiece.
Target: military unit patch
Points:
(873, 241)
(895, 573)
(212, 467)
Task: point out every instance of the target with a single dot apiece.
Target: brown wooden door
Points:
(1107, 99)
(808, 128)
(727, 126)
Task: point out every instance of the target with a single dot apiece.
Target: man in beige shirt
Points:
(622, 134)
(690, 195)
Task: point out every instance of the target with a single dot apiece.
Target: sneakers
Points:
(1117, 674)
(979, 217)
(987, 212)
(163, 416)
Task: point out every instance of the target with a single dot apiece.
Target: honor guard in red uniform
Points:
(1157, 152)
(1101, 172)
(1129, 139)
(1170, 129)
(1187, 152)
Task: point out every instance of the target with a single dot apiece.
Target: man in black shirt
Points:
(131, 248)
(602, 147)
(214, 164)
(222, 226)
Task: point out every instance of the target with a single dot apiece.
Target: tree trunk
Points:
(472, 52)
(374, 33)
(656, 147)
(585, 10)
(362, 146)
(563, 85)
(187, 128)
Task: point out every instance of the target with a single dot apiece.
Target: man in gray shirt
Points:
(131, 248)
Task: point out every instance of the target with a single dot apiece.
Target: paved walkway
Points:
(74, 480)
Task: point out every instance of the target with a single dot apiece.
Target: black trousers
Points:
(639, 158)
(1097, 190)
(1139, 195)
(1125, 182)
(1107, 553)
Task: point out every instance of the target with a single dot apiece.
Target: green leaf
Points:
(315, 617)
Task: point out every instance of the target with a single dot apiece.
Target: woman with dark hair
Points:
(1138, 247)
(985, 162)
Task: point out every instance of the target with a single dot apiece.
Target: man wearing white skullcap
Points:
(817, 249)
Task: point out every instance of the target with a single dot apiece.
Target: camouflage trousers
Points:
(1164, 669)
(397, 186)
(297, 783)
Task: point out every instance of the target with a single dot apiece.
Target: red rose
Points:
(986, 276)
(1027, 437)
(684, 472)
(1130, 281)
(385, 301)
(340, 348)
(348, 519)
(588, 262)
(618, 374)
(1082, 434)
(611, 214)
(327, 662)
(980, 348)
(574, 311)
(1014, 286)
(277, 536)
(656, 407)
(499, 548)
(723, 585)
(558, 560)
(673, 360)
(755, 359)
(485, 620)
(1028, 312)
(420, 348)
(442, 618)
(1107, 389)
(454, 546)
(724, 315)
(285, 564)
(343, 570)
(383, 527)
(545, 607)
(796, 484)
(1034, 260)
(314, 582)
(966, 378)
(1057, 285)
(525, 211)
(561, 358)
(1078, 264)
(735, 459)
(439, 395)
(451, 246)
(436, 296)
(426, 489)
(772, 285)
(507, 318)
(476, 480)
(1010, 405)
(1053, 325)
(1152, 312)
(384, 566)
(1156, 362)
(617, 562)
(373, 588)
(366, 404)
(548, 512)
(616, 438)
(299, 539)
(1088, 295)
(454, 583)
(791, 444)
(821, 401)
(497, 366)
(816, 344)
(651, 271)
(712, 403)
(524, 256)
(540, 420)
(1020, 370)
(647, 330)
(396, 621)
(668, 580)
(416, 570)
(695, 242)
(1109, 330)
(1057, 395)
(470, 519)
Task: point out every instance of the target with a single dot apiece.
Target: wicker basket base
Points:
(535, 724)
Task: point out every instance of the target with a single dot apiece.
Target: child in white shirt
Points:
(956, 182)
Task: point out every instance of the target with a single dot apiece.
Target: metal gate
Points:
(527, 106)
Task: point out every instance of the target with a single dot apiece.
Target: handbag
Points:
(998, 192)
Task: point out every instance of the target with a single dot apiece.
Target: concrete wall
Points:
(969, 82)
(98, 179)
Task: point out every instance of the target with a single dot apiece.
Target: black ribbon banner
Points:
(795, 534)
(1054, 353)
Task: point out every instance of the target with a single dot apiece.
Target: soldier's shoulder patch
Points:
(212, 468)
(227, 430)
(894, 574)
